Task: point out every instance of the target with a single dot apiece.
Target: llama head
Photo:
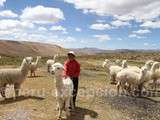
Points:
(149, 63)
(124, 64)
(106, 63)
(118, 62)
(27, 61)
(155, 66)
(144, 70)
(57, 69)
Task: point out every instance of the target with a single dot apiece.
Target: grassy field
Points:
(97, 99)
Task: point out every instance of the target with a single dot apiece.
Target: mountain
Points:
(23, 48)
(18, 48)
(90, 51)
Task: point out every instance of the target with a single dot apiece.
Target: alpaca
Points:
(112, 69)
(34, 66)
(64, 89)
(14, 76)
(130, 77)
(155, 72)
(118, 62)
(50, 62)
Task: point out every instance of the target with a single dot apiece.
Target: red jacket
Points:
(71, 68)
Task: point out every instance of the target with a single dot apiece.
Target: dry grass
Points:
(91, 106)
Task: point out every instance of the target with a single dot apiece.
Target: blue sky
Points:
(105, 24)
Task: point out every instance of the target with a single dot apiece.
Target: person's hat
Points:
(72, 53)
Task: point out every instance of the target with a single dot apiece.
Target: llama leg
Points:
(3, 89)
(123, 87)
(112, 78)
(140, 89)
(155, 84)
(16, 89)
(34, 74)
(67, 105)
(31, 74)
(48, 68)
(72, 103)
(118, 87)
(60, 104)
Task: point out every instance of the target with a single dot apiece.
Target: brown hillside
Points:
(16, 48)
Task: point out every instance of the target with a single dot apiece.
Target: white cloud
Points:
(41, 14)
(135, 36)
(146, 44)
(119, 39)
(104, 37)
(8, 24)
(127, 9)
(142, 31)
(2, 2)
(42, 29)
(78, 29)
(124, 17)
(100, 21)
(69, 39)
(8, 14)
(100, 26)
(150, 24)
(59, 28)
(119, 23)
(7, 32)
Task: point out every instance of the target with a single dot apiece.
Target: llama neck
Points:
(124, 65)
(37, 60)
(24, 69)
(153, 68)
(141, 75)
(54, 58)
(58, 81)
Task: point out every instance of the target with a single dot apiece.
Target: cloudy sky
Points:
(107, 24)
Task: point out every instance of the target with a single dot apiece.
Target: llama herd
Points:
(132, 78)
(16, 76)
(126, 77)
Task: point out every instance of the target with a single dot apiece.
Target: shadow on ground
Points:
(82, 114)
(37, 76)
(19, 98)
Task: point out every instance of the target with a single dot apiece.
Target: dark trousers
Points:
(75, 88)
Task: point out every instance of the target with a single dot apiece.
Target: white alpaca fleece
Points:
(64, 89)
(15, 76)
(112, 69)
(118, 62)
(155, 73)
(130, 77)
(34, 65)
(134, 68)
(50, 62)
(148, 64)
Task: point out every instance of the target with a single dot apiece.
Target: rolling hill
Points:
(17, 48)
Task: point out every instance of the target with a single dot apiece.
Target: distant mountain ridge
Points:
(18, 48)
(24, 48)
(92, 51)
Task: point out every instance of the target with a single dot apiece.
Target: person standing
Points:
(72, 70)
